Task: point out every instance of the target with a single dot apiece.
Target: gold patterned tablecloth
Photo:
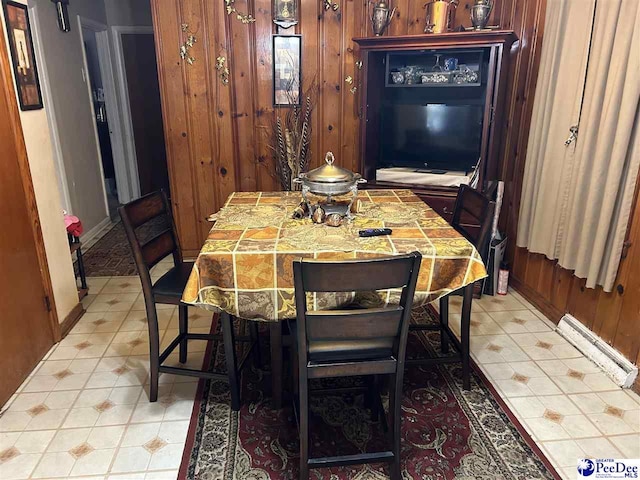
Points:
(246, 264)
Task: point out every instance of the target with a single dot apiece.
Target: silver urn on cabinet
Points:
(480, 12)
(381, 17)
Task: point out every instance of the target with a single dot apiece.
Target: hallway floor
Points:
(84, 411)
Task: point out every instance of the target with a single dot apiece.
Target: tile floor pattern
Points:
(84, 411)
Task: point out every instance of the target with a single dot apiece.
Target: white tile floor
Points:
(84, 411)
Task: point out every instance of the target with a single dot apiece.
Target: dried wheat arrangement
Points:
(291, 136)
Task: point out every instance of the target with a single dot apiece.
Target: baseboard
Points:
(613, 363)
(90, 235)
(70, 320)
(537, 300)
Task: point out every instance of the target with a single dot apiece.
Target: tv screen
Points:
(431, 137)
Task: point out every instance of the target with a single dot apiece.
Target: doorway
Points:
(140, 91)
(101, 119)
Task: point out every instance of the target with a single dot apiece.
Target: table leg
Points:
(465, 326)
(232, 361)
(275, 333)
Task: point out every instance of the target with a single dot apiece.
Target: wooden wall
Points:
(217, 135)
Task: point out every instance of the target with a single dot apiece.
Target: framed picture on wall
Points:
(287, 53)
(22, 55)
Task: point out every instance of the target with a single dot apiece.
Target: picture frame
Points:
(287, 70)
(23, 56)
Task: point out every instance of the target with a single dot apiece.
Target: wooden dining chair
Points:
(151, 232)
(472, 218)
(354, 342)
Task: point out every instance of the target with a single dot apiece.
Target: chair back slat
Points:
(158, 248)
(144, 209)
(356, 275)
(359, 334)
(473, 218)
(354, 324)
(151, 232)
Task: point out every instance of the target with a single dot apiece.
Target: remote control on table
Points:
(374, 232)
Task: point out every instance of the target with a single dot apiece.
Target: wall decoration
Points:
(329, 5)
(187, 45)
(63, 15)
(245, 18)
(223, 70)
(287, 52)
(285, 13)
(23, 57)
(354, 83)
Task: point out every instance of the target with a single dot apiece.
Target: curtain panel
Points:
(577, 198)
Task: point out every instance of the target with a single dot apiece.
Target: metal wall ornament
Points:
(245, 18)
(352, 82)
(381, 17)
(187, 45)
(329, 5)
(223, 70)
(285, 13)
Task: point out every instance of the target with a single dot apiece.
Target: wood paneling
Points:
(614, 316)
(217, 136)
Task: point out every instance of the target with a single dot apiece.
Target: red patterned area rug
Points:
(447, 432)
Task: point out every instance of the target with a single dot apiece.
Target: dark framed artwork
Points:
(287, 75)
(22, 55)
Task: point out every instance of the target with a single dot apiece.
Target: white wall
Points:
(128, 12)
(37, 138)
(63, 58)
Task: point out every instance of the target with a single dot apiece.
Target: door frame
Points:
(100, 31)
(125, 104)
(6, 79)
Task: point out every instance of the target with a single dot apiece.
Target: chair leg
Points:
(183, 324)
(303, 413)
(395, 413)
(275, 332)
(81, 270)
(444, 324)
(255, 343)
(154, 351)
(232, 362)
(465, 326)
(295, 370)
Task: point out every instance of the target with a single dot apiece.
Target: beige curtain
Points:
(577, 200)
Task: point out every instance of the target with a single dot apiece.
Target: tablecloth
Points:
(245, 265)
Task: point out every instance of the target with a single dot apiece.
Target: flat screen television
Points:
(433, 137)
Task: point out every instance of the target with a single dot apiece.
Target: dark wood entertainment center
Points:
(377, 55)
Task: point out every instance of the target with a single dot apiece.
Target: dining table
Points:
(245, 267)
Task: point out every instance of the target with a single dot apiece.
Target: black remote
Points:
(374, 232)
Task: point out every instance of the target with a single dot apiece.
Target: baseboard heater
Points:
(612, 362)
